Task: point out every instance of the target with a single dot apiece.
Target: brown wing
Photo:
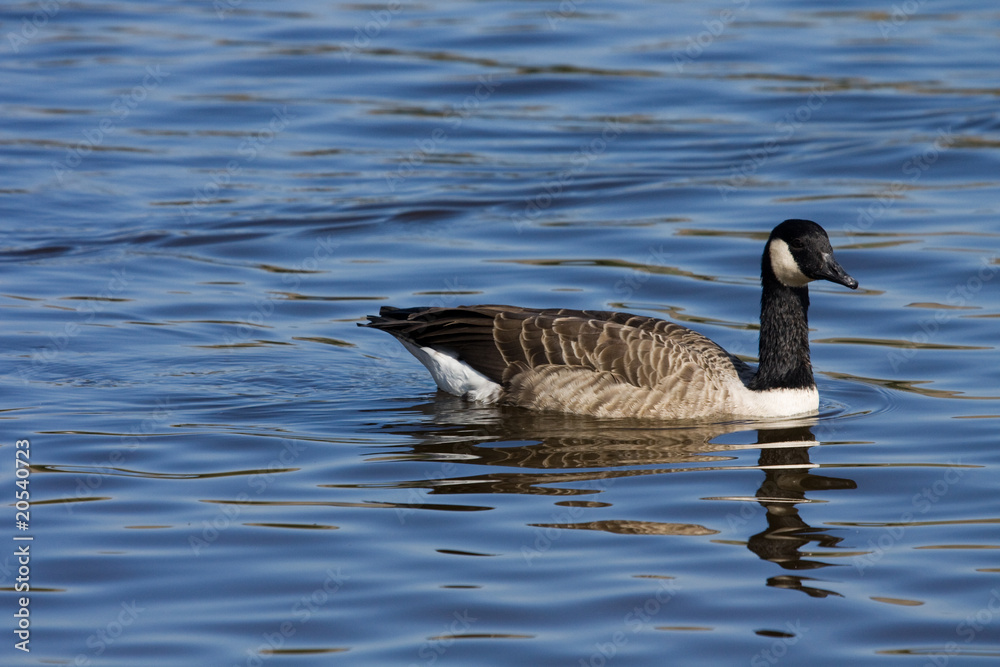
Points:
(643, 352)
(503, 341)
(619, 366)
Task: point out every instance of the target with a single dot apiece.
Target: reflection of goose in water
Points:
(609, 364)
(787, 478)
(579, 458)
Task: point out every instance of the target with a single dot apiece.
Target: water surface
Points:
(201, 200)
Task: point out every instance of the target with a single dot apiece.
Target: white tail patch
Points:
(454, 376)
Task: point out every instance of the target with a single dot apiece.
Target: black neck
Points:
(784, 336)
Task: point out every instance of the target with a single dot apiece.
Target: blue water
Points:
(199, 201)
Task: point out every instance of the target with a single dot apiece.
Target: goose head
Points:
(798, 252)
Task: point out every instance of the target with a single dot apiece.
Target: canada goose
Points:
(610, 364)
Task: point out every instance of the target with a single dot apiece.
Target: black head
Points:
(799, 252)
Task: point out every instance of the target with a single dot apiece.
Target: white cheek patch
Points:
(785, 267)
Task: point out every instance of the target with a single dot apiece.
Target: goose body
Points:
(611, 364)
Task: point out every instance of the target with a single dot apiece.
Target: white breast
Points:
(773, 402)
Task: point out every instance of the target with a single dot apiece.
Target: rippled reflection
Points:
(568, 455)
(788, 477)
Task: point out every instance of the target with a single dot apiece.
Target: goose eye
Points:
(798, 244)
